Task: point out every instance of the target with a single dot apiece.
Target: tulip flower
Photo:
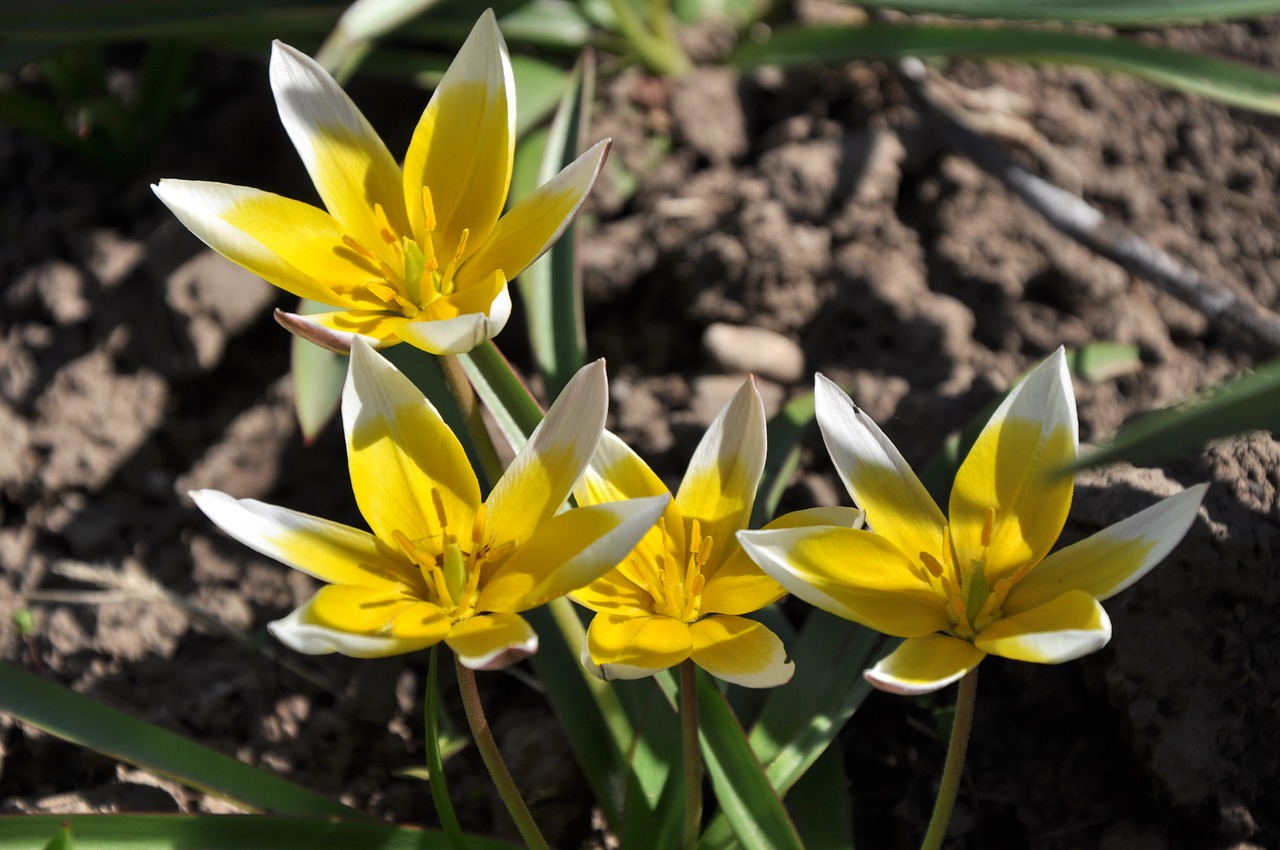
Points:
(421, 254)
(440, 563)
(981, 580)
(682, 591)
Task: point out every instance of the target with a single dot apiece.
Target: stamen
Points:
(384, 225)
(477, 529)
(357, 247)
(931, 564)
(428, 210)
(462, 244)
(704, 551)
(438, 503)
(988, 522)
(406, 546)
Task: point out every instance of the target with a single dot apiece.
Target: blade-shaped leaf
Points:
(1219, 79)
(820, 804)
(78, 719)
(508, 399)
(1115, 12)
(318, 375)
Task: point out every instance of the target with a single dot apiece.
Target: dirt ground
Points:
(819, 206)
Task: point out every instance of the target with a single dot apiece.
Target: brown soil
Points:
(817, 205)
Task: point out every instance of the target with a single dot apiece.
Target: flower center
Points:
(451, 567)
(971, 602)
(675, 587)
(413, 264)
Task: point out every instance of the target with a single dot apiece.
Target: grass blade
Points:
(1219, 79)
(79, 720)
(1114, 12)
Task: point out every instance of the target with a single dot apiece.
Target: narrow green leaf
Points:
(61, 841)
(1249, 402)
(1219, 79)
(820, 804)
(540, 86)
(1099, 362)
(224, 832)
(318, 375)
(1114, 12)
(786, 435)
(435, 756)
(79, 720)
(508, 399)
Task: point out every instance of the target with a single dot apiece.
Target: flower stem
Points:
(460, 386)
(435, 763)
(692, 755)
(488, 748)
(960, 726)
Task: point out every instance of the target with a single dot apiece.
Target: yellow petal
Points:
(616, 473)
(614, 593)
(335, 331)
(400, 453)
(568, 552)
(738, 586)
(741, 652)
(492, 641)
(1106, 563)
(355, 622)
(924, 664)
(634, 647)
(534, 224)
(326, 550)
(291, 244)
(464, 144)
(1067, 627)
(1010, 470)
(348, 163)
(540, 477)
(877, 477)
(458, 323)
(851, 573)
(719, 487)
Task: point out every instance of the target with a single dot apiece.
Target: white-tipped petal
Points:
(1063, 629)
(492, 641)
(301, 633)
(459, 334)
(922, 665)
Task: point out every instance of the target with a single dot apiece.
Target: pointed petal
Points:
(719, 487)
(877, 477)
(924, 664)
(568, 552)
(635, 647)
(538, 481)
(535, 223)
(458, 323)
(492, 641)
(311, 628)
(348, 162)
(1009, 470)
(738, 586)
(851, 573)
(741, 652)
(335, 331)
(399, 451)
(1065, 628)
(329, 551)
(464, 144)
(291, 244)
(616, 473)
(1106, 563)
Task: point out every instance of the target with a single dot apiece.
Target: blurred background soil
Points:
(781, 224)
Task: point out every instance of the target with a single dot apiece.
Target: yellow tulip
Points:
(441, 564)
(421, 254)
(981, 581)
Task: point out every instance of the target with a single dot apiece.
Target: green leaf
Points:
(224, 832)
(540, 86)
(785, 438)
(821, 806)
(1219, 79)
(1248, 402)
(508, 399)
(1115, 12)
(318, 375)
(1099, 362)
(79, 720)
(61, 841)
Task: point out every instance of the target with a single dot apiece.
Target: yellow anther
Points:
(357, 247)
(381, 291)
(406, 546)
(704, 551)
(1021, 573)
(428, 210)
(462, 244)
(384, 225)
(696, 586)
(477, 529)
(988, 522)
(438, 503)
(931, 564)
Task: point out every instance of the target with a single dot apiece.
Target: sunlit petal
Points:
(1106, 563)
(329, 551)
(459, 332)
(464, 144)
(568, 552)
(492, 641)
(851, 573)
(533, 225)
(1012, 470)
(539, 479)
(719, 488)
(633, 647)
(1072, 625)
(337, 330)
(309, 629)
(741, 652)
(614, 593)
(347, 160)
(877, 477)
(924, 664)
(615, 473)
(400, 453)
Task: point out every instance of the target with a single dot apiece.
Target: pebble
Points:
(755, 351)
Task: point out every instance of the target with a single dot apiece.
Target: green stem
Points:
(662, 55)
(960, 726)
(435, 762)
(488, 748)
(469, 405)
(692, 755)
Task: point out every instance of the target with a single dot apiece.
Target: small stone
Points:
(756, 351)
(217, 299)
(712, 392)
(55, 286)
